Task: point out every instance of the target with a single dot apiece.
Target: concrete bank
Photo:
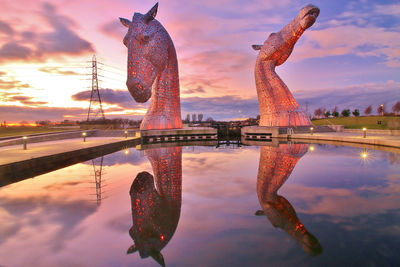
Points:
(373, 131)
(17, 164)
(373, 140)
(44, 137)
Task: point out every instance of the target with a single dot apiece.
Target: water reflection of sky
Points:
(350, 205)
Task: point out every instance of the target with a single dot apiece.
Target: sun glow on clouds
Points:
(45, 49)
(127, 112)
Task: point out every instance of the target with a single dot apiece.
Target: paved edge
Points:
(347, 139)
(21, 170)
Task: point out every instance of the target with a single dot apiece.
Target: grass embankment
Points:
(370, 122)
(26, 130)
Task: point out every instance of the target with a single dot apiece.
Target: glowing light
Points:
(24, 143)
(16, 124)
(364, 132)
(162, 237)
(364, 154)
(126, 151)
(311, 148)
(84, 134)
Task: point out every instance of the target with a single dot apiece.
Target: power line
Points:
(123, 70)
(118, 73)
(95, 106)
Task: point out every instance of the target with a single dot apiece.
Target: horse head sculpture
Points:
(156, 203)
(277, 105)
(153, 70)
(276, 165)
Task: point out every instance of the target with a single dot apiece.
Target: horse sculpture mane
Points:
(277, 105)
(153, 70)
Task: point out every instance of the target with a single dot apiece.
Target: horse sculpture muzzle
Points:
(308, 15)
(141, 93)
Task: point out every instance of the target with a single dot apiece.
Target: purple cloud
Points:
(6, 28)
(13, 51)
(38, 46)
(122, 98)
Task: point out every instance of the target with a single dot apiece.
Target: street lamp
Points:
(364, 132)
(24, 142)
(84, 136)
(126, 134)
(311, 130)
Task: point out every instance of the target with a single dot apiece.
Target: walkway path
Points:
(15, 153)
(375, 140)
(18, 164)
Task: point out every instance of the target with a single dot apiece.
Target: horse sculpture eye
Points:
(145, 38)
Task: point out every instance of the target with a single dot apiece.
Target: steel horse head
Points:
(153, 70)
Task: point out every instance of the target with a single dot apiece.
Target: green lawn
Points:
(370, 122)
(25, 130)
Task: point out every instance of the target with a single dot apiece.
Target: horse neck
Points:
(167, 167)
(275, 167)
(292, 32)
(166, 87)
(271, 90)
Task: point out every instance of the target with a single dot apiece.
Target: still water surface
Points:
(292, 205)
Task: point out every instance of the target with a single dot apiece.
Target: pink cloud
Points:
(349, 39)
(40, 45)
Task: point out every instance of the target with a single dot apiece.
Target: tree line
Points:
(196, 118)
(322, 112)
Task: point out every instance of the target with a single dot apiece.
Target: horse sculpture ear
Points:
(125, 22)
(131, 249)
(151, 14)
(256, 47)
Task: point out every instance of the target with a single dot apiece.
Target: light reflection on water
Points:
(322, 206)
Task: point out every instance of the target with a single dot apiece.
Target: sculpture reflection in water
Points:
(156, 203)
(276, 165)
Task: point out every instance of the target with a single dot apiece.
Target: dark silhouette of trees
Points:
(209, 119)
(346, 112)
(381, 110)
(318, 113)
(43, 123)
(327, 114)
(335, 112)
(200, 117)
(368, 110)
(396, 108)
(356, 113)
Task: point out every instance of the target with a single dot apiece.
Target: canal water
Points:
(287, 205)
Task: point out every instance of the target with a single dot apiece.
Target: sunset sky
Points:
(349, 58)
